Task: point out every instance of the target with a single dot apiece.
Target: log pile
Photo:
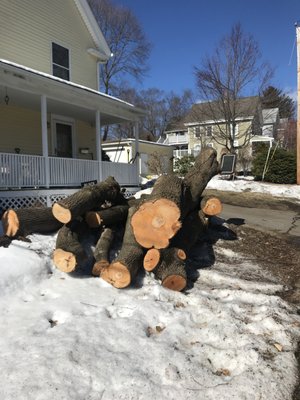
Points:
(159, 229)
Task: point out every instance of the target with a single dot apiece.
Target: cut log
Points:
(171, 200)
(152, 258)
(211, 206)
(122, 271)
(69, 251)
(24, 221)
(171, 270)
(86, 199)
(101, 253)
(107, 217)
(157, 219)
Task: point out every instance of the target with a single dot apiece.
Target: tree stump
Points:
(25, 221)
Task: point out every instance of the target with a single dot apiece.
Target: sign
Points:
(228, 164)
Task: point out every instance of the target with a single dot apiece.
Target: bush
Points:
(183, 165)
(281, 166)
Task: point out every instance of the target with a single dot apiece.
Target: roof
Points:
(65, 97)
(87, 15)
(130, 141)
(246, 107)
(270, 115)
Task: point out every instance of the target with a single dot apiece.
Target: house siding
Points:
(28, 28)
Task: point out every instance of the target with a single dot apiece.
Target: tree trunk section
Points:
(157, 219)
(211, 206)
(69, 252)
(101, 253)
(86, 199)
(123, 270)
(24, 221)
(171, 270)
(107, 217)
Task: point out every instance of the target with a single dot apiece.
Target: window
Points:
(209, 130)
(60, 62)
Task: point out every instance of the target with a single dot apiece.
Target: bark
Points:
(69, 252)
(24, 221)
(206, 166)
(86, 199)
(101, 253)
(107, 217)
(123, 270)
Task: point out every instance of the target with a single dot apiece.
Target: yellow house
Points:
(51, 109)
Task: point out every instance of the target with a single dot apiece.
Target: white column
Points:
(137, 154)
(98, 143)
(45, 138)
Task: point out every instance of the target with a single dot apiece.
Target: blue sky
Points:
(183, 31)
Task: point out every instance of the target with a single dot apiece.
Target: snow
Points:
(73, 336)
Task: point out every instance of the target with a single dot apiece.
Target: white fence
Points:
(24, 171)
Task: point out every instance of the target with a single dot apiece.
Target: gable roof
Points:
(102, 50)
(246, 107)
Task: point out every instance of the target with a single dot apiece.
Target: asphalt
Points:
(268, 220)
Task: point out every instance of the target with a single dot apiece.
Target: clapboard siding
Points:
(28, 27)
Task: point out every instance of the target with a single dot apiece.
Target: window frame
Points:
(58, 65)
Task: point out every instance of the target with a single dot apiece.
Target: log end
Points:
(99, 266)
(161, 217)
(117, 275)
(181, 254)
(65, 261)
(151, 259)
(93, 219)
(174, 282)
(61, 213)
(10, 223)
(212, 206)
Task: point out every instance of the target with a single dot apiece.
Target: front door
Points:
(64, 139)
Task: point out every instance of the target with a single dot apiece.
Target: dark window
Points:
(60, 62)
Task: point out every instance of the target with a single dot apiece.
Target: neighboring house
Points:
(51, 110)
(198, 129)
(156, 155)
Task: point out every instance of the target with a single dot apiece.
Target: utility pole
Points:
(298, 103)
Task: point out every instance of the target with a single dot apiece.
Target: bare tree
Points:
(126, 40)
(224, 79)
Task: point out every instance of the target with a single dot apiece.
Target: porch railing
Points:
(27, 171)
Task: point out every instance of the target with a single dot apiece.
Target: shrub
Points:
(281, 166)
(183, 165)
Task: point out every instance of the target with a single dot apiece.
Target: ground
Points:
(278, 255)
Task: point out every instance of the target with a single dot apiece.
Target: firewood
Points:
(24, 221)
(86, 199)
(69, 251)
(152, 258)
(122, 271)
(171, 270)
(109, 216)
(211, 205)
(101, 252)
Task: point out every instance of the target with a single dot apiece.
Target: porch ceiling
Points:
(24, 88)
